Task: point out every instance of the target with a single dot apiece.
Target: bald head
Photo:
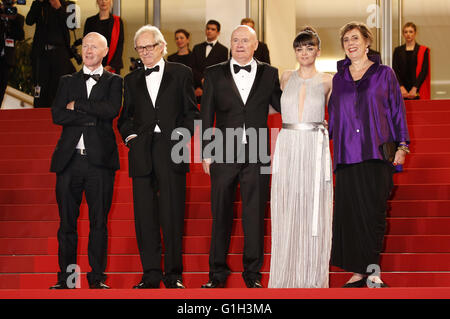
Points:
(243, 44)
(97, 37)
(93, 50)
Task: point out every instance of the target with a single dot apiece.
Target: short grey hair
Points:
(156, 34)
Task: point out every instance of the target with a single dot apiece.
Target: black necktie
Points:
(149, 71)
(210, 44)
(237, 68)
(96, 77)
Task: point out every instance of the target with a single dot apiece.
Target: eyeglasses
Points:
(146, 48)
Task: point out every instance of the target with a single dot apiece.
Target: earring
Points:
(367, 50)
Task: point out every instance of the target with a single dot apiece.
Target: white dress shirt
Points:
(153, 82)
(209, 48)
(244, 82)
(89, 85)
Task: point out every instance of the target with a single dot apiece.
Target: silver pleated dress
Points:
(302, 189)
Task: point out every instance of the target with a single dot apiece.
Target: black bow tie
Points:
(149, 71)
(237, 68)
(210, 44)
(96, 77)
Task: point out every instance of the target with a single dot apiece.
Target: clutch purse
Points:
(388, 150)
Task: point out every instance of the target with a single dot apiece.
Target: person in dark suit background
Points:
(207, 53)
(11, 30)
(411, 63)
(159, 102)
(50, 53)
(238, 93)
(262, 52)
(86, 158)
(111, 27)
(183, 54)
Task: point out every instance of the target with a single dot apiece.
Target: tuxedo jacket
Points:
(218, 54)
(222, 101)
(175, 107)
(92, 117)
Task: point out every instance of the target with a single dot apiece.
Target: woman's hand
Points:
(400, 157)
(412, 93)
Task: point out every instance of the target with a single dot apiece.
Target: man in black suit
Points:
(159, 103)
(50, 53)
(206, 54)
(86, 158)
(238, 94)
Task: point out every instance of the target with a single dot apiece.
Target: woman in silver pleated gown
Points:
(302, 180)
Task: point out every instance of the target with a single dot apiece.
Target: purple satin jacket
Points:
(364, 115)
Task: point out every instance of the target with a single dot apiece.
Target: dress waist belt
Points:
(322, 132)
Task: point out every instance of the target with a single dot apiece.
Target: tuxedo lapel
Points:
(142, 86)
(165, 81)
(259, 72)
(80, 84)
(229, 79)
(99, 85)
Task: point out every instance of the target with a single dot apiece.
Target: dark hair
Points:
(307, 36)
(216, 23)
(409, 24)
(186, 34)
(363, 29)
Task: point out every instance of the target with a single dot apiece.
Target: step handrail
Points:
(21, 96)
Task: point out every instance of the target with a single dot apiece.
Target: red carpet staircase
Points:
(417, 244)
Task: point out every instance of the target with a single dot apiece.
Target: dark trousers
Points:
(48, 68)
(159, 203)
(254, 188)
(97, 184)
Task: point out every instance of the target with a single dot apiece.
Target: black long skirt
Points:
(359, 220)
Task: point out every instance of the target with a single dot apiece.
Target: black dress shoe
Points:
(214, 284)
(374, 284)
(60, 285)
(146, 285)
(253, 284)
(98, 285)
(356, 284)
(177, 284)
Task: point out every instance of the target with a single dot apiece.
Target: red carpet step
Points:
(416, 248)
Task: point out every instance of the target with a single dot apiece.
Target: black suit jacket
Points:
(92, 117)
(222, 100)
(93, 24)
(218, 54)
(407, 77)
(175, 107)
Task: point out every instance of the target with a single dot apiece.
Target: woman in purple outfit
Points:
(366, 110)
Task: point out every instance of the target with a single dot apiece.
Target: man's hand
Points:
(198, 92)
(56, 4)
(206, 165)
(71, 106)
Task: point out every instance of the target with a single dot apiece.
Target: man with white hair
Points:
(237, 94)
(86, 159)
(159, 100)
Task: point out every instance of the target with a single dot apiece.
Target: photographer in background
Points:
(11, 30)
(51, 52)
